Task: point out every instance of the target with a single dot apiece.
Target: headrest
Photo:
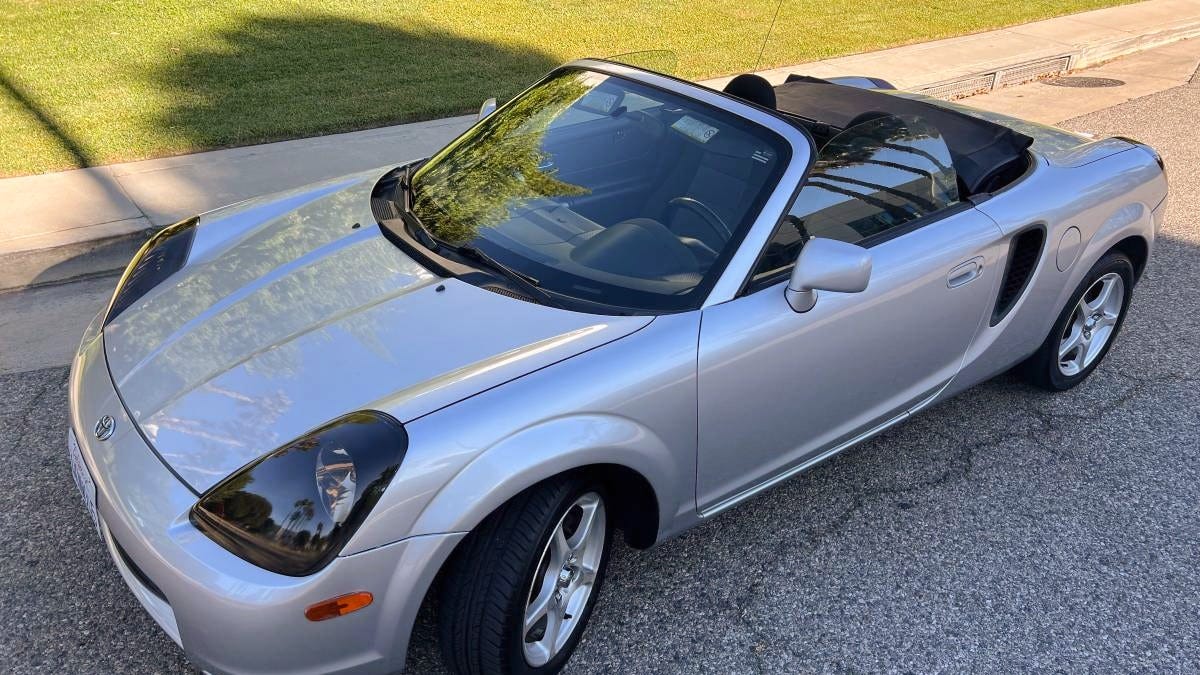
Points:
(753, 88)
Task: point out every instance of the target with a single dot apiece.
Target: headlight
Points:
(157, 259)
(294, 509)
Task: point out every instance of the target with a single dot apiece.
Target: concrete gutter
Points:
(67, 225)
(1083, 40)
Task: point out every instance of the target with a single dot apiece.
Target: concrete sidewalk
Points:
(1110, 84)
(60, 226)
(65, 225)
(1082, 40)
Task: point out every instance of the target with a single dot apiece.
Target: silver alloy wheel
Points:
(563, 581)
(1092, 324)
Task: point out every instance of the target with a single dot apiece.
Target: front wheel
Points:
(1087, 326)
(519, 591)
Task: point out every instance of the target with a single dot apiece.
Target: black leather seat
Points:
(640, 248)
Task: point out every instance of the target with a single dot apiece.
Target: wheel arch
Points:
(638, 470)
(636, 510)
(628, 458)
(1138, 249)
(636, 514)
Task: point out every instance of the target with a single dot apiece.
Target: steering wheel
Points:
(706, 214)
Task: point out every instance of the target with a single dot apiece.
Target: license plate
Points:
(83, 478)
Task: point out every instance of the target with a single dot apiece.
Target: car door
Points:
(777, 389)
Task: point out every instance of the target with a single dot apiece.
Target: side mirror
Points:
(827, 265)
(488, 107)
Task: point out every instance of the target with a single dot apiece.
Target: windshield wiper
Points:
(404, 204)
(527, 283)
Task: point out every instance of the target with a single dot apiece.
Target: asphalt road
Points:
(1007, 529)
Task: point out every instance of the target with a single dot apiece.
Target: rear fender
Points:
(1103, 203)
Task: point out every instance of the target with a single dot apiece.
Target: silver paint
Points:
(286, 316)
(1068, 248)
(827, 265)
(778, 387)
(218, 364)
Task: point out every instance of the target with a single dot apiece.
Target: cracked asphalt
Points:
(1005, 530)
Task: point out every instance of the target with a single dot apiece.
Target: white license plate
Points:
(83, 478)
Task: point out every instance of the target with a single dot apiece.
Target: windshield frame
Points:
(722, 281)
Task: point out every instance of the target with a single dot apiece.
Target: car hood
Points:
(287, 315)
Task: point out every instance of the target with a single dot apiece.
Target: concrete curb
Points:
(1084, 56)
(1093, 55)
(49, 244)
(42, 243)
(69, 261)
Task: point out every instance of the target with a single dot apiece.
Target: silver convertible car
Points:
(621, 301)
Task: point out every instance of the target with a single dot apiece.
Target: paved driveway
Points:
(1005, 530)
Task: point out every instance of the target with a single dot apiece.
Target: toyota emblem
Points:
(104, 427)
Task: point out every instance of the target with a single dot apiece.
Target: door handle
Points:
(965, 273)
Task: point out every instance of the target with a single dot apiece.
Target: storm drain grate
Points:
(976, 84)
(1003, 77)
(1034, 70)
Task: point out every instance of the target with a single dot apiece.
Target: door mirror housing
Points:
(827, 265)
(488, 107)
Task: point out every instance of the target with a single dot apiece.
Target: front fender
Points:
(449, 484)
(630, 403)
(540, 452)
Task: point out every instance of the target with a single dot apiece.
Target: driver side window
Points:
(868, 180)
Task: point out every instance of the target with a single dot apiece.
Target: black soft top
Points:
(981, 150)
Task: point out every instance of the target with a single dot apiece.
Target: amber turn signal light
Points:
(335, 607)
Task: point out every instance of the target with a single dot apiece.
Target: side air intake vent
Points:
(1023, 257)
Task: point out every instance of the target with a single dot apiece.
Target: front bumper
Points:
(227, 614)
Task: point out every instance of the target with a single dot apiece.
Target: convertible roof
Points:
(979, 148)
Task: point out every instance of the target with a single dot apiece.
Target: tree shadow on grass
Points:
(45, 118)
(275, 78)
(272, 78)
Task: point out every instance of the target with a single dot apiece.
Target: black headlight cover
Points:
(159, 258)
(290, 511)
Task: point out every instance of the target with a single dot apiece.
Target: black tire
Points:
(486, 584)
(1042, 369)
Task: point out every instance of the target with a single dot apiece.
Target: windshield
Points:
(603, 190)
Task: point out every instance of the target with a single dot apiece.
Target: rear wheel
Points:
(522, 586)
(1086, 328)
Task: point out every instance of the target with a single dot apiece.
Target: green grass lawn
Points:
(87, 82)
